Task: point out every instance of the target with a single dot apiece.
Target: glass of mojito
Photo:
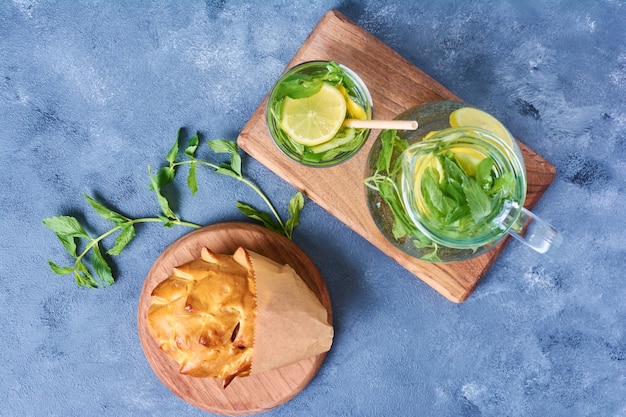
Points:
(454, 188)
(307, 108)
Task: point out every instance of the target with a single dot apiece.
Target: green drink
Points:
(452, 189)
(306, 110)
(456, 183)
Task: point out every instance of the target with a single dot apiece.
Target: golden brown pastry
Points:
(203, 316)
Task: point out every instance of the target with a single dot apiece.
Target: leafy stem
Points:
(241, 178)
(94, 271)
(68, 229)
(231, 168)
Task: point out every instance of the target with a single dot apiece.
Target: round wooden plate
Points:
(252, 394)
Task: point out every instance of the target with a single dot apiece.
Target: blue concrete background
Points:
(93, 92)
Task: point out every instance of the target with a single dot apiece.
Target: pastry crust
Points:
(203, 316)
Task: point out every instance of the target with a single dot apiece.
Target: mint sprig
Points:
(94, 271)
(91, 267)
(231, 168)
(300, 85)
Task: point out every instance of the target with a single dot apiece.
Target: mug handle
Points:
(531, 230)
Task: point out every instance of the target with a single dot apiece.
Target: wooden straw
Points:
(381, 124)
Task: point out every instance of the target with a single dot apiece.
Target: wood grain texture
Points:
(395, 85)
(249, 395)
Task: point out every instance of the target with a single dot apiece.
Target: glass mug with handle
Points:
(460, 185)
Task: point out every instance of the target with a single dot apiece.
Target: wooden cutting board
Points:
(395, 85)
(255, 393)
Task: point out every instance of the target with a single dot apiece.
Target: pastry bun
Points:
(203, 316)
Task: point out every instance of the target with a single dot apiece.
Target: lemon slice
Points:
(468, 159)
(429, 134)
(354, 109)
(316, 119)
(469, 116)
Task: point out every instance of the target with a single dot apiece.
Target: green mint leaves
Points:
(299, 86)
(93, 271)
(305, 85)
(91, 267)
(460, 205)
(460, 195)
(231, 168)
(385, 182)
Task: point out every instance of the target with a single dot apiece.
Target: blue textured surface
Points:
(91, 93)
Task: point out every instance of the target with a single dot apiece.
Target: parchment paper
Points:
(291, 323)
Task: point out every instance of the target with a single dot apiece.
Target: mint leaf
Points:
(105, 212)
(235, 163)
(192, 146)
(432, 193)
(387, 138)
(100, 266)
(65, 226)
(299, 86)
(483, 173)
(163, 203)
(421, 241)
(454, 190)
(163, 177)
(60, 270)
(459, 213)
(173, 152)
(452, 168)
(295, 206)
(167, 222)
(432, 257)
(223, 146)
(83, 276)
(225, 169)
(402, 226)
(263, 217)
(505, 185)
(231, 148)
(192, 182)
(477, 200)
(126, 235)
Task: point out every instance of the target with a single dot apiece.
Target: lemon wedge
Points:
(316, 119)
(469, 116)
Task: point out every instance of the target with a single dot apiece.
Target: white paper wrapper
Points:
(291, 323)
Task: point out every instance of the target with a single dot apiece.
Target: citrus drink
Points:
(437, 193)
(457, 182)
(307, 108)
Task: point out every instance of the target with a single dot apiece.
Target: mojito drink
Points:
(307, 108)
